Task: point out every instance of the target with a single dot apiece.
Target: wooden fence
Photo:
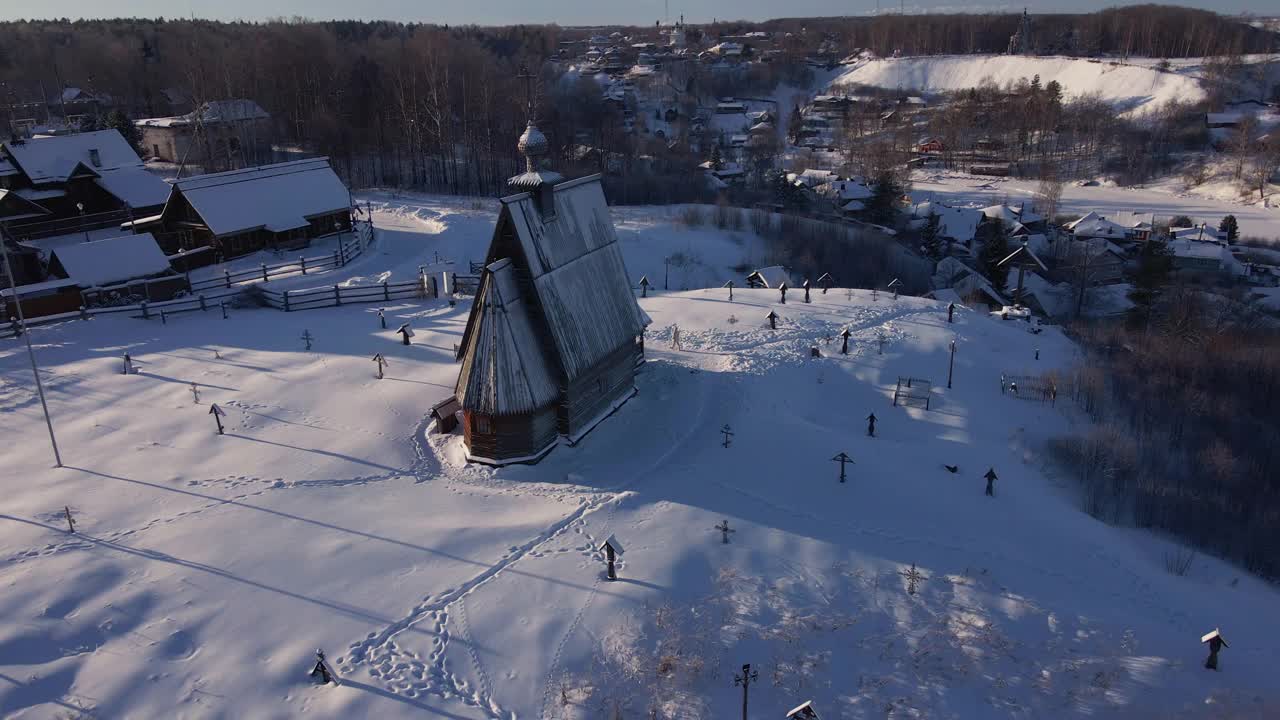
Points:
(147, 311)
(346, 251)
(291, 300)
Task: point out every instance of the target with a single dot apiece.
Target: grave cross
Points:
(914, 578)
(307, 337)
(406, 332)
(951, 312)
(217, 414)
(894, 285)
(382, 319)
(727, 434)
(773, 320)
(880, 338)
(730, 286)
(783, 289)
(806, 290)
(804, 712)
(128, 365)
(612, 549)
(71, 523)
(843, 459)
(826, 282)
(321, 670)
(195, 393)
(844, 347)
(382, 362)
(724, 529)
(644, 286)
(871, 424)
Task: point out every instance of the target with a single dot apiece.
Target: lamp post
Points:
(80, 207)
(951, 364)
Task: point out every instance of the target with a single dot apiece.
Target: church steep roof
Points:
(504, 371)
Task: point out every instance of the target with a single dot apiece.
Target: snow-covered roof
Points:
(578, 273)
(135, 186)
(284, 195)
(773, 276)
(1133, 220)
(55, 159)
(1188, 248)
(1094, 225)
(1224, 118)
(504, 370)
(1200, 233)
(112, 260)
(217, 111)
(1010, 214)
(13, 206)
(854, 206)
(958, 224)
(38, 288)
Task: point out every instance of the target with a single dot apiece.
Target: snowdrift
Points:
(1131, 89)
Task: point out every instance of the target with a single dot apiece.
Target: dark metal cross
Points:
(724, 529)
(843, 459)
(914, 578)
(528, 78)
(727, 434)
(307, 337)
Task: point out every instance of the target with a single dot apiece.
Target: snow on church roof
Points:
(505, 371)
(280, 196)
(578, 272)
(55, 158)
(113, 260)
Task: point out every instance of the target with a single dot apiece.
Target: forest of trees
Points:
(1186, 439)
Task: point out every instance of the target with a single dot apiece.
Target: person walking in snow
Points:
(991, 479)
(871, 425)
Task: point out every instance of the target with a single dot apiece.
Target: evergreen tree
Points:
(1180, 221)
(1155, 263)
(794, 124)
(786, 193)
(1230, 227)
(716, 162)
(930, 237)
(124, 125)
(994, 249)
(885, 191)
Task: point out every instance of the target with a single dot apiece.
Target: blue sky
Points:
(565, 12)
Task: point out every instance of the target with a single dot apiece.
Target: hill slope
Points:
(1130, 88)
(205, 569)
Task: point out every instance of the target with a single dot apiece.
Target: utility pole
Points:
(26, 335)
(745, 679)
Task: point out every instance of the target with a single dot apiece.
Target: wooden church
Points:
(554, 336)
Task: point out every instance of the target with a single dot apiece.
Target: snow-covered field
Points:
(959, 189)
(1130, 88)
(206, 569)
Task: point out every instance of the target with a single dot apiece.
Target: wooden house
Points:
(66, 177)
(281, 206)
(125, 266)
(552, 342)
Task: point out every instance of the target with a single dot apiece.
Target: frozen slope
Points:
(1130, 88)
(206, 569)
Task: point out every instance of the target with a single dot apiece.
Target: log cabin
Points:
(552, 343)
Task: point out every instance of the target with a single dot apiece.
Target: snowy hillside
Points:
(206, 569)
(1130, 88)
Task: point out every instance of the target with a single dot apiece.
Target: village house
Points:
(67, 177)
(967, 283)
(956, 226)
(223, 133)
(124, 266)
(554, 335)
(285, 205)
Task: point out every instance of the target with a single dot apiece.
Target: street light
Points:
(80, 207)
(951, 364)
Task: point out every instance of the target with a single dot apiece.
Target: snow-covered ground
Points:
(206, 569)
(959, 189)
(1130, 88)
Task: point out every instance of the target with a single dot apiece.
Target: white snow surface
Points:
(1130, 88)
(205, 569)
